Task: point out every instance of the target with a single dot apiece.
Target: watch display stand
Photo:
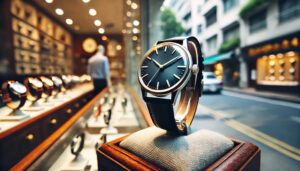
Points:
(34, 106)
(12, 115)
(154, 149)
(109, 130)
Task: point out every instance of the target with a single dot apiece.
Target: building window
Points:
(288, 9)
(187, 17)
(188, 31)
(199, 29)
(228, 4)
(211, 17)
(199, 9)
(258, 21)
(231, 33)
(212, 43)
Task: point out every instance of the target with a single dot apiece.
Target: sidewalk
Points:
(266, 94)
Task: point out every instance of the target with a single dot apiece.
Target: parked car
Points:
(212, 83)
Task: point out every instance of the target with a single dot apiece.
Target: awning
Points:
(217, 58)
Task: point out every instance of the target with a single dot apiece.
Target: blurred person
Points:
(98, 69)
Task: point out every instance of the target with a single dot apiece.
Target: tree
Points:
(170, 26)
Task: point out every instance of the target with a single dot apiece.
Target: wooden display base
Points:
(243, 156)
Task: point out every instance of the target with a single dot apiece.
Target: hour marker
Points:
(181, 66)
(165, 50)
(176, 76)
(173, 51)
(168, 83)
(149, 58)
(156, 51)
(145, 76)
(157, 85)
(178, 57)
(144, 66)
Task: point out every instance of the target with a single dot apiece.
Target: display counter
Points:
(19, 137)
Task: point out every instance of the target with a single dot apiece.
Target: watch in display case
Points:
(66, 81)
(34, 88)
(10, 88)
(77, 144)
(47, 86)
(171, 68)
(57, 84)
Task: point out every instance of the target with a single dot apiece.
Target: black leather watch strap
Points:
(161, 110)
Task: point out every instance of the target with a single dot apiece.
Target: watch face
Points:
(18, 88)
(164, 68)
(57, 81)
(47, 81)
(36, 83)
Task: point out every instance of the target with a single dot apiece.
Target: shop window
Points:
(288, 9)
(218, 70)
(211, 17)
(258, 21)
(278, 69)
(229, 4)
(212, 43)
(231, 33)
(199, 29)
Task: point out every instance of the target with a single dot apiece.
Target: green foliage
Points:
(249, 6)
(225, 47)
(170, 26)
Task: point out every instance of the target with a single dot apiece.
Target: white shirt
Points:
(98, 66)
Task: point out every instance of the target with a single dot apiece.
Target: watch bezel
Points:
(32, 83)
(183, 80)
(13, 90)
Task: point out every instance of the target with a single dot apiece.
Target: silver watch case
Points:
(182, 49)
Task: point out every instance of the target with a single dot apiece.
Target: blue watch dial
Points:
(163, 68)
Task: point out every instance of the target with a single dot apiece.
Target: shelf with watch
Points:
(25, 134)
(32, 32)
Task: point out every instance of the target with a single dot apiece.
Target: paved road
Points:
(271, 124)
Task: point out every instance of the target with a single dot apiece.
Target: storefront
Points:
(225, 66)
(274, 64)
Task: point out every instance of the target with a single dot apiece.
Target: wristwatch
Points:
(34, 88)
(9, 88)
(57, 86)
(171, 68)
(47, 86)
(66, 81)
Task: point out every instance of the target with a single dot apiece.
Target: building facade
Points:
(257, 48)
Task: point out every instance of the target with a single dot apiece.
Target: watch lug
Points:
(185, 43)
(144, 95)
(174, 97)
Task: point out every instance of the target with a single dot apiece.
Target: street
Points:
(270, 124)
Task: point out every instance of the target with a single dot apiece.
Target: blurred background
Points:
(250, 49)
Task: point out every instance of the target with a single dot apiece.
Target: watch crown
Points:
(195, 69)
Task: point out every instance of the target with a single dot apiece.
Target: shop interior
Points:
(50, 118)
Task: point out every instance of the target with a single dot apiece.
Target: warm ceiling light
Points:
(136, 22)
(135, 30)
(49, 1)
(119, 47)
(59, 11)
(86, 1)
(92, 12)
(128, 2)
(123, 31)
(134, 6)
(97, 23)
(76, 27)
(69, 21)
(101, 30)
(104, 38)
(128, 13)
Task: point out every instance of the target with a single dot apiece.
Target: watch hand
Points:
(158, 64)
(153, 76)
(171, 61)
